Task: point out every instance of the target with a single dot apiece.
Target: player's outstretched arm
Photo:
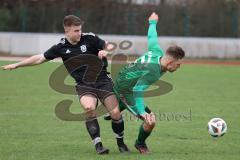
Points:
(152, 34)
(33, 60)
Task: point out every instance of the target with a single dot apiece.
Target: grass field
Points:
(30, 130)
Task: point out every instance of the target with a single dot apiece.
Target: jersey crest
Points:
(83, 48)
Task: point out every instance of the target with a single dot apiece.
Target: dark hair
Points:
(175, 52)
(72, 20)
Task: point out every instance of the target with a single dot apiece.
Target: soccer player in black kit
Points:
(77, 44)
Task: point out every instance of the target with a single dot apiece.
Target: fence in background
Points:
(193, 18)
(34, 43)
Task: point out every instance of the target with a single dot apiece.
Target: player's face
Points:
(174, 65)
(74, 33)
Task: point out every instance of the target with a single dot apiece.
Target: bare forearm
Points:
(33, 60)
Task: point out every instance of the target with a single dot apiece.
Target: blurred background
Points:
(178, 18)
(202, 18)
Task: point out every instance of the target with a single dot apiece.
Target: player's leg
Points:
(144, 132)
(120, 104)
(146, 127)
(89, 103)
(88, 100)
(109, 100)
(111, 104)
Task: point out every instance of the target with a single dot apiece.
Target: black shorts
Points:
(101, 89)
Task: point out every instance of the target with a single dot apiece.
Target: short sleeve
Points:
(51, 53)
(98, 43)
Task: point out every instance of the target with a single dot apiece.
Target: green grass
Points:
(29, 128)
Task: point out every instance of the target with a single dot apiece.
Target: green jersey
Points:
(135, 78)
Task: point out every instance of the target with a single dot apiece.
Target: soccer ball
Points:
(217, 127)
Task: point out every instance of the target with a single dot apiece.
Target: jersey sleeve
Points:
(98, 43)
(138, 92)
(51, 53)
(153, 39)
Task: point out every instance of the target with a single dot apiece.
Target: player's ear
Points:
(170, 60)
(66, 29)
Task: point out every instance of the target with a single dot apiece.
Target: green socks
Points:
(142, 135)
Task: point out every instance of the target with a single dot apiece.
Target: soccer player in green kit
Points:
(135, 78)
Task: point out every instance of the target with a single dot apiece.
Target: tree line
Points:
(202, 18)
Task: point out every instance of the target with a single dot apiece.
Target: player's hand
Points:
(9, 66)
(153, 16)
(102, 54)
(149, 118)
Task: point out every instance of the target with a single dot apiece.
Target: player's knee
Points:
(89, 111)
(89, 107)
(115, 113)
(88, 103)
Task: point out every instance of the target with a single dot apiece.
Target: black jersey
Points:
(89, 45)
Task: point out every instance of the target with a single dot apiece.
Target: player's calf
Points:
(94, 131)
(117, 121)
(144, 132)
(118, 129)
